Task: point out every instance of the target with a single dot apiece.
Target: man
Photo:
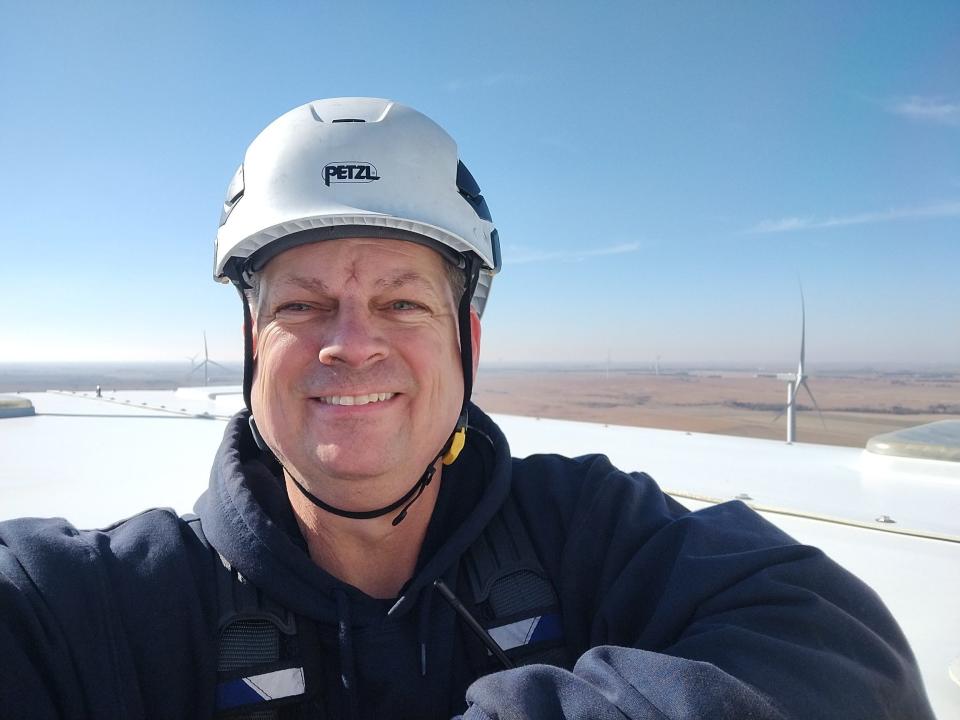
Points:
(367, 547)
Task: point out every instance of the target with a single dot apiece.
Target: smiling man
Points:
(357, 382)
(368, 548)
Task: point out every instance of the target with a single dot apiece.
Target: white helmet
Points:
(354, 167)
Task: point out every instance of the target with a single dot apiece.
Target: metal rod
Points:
(472, 623)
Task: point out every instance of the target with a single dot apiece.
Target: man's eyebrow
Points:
(411, 277)
(305, 283)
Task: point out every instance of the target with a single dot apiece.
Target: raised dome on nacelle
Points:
(13, 406)
(938, 440)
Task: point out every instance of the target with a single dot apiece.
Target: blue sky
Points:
(662, 174)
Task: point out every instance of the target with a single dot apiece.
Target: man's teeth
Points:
(355, 399)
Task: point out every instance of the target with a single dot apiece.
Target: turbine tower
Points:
(795, 380)
(207, 362)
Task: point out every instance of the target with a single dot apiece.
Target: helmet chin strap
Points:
(450, 451)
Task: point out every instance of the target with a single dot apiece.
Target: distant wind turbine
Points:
(207, 362)
(795, 380)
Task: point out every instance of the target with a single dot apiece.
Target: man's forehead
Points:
(383, 263)
(392, 279)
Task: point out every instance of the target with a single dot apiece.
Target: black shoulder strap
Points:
(515, 599)
(260, 672)
(261, 659)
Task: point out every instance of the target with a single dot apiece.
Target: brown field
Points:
(855, 407)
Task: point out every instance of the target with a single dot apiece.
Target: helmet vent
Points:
(471, 191)
(347, 120)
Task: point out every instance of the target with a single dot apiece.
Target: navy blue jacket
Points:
(667, 613)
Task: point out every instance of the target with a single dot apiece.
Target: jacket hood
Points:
(247, 517)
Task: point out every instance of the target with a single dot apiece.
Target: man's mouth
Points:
(355, 399)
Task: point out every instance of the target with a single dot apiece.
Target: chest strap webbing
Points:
(514, 599)
(260, 671)
(260, 654)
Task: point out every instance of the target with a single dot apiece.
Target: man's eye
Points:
(293, 307)
(404, 305)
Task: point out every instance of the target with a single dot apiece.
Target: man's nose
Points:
(353, 339)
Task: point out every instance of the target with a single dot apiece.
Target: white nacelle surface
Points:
(98, 460)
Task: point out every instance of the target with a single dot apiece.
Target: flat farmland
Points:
(855, 407)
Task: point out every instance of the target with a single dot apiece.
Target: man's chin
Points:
(352, 472)
(353, 462)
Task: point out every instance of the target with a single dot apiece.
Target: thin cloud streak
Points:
(789, 224)
(520, 256)
(928, 109)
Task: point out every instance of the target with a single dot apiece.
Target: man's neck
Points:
(373, 555)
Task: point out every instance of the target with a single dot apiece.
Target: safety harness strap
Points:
(266, 664)
(514, 598)
(261, 673)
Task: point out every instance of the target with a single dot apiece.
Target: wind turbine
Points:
(795, 380)
(206, 363)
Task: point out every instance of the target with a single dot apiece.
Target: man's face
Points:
(358, 370)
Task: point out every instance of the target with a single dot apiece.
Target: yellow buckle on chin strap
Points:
(457, 441)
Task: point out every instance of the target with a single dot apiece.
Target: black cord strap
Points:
(410, 497)
(247, 343)
(472, 275)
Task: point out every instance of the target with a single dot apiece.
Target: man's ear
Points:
(475, 340)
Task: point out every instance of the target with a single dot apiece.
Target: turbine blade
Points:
(810, 393)
(206, 355)
(214, 362)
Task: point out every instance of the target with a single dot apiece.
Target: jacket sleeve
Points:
(102, 624)
(711, 614)
(37, 678)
